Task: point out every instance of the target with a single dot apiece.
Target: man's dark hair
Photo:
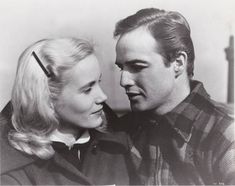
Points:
(170, 30)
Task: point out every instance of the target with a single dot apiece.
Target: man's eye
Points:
(120, 67)
(137, 67)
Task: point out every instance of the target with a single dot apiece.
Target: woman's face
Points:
(80, 102)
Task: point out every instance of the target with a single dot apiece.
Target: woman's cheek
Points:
(82, 104)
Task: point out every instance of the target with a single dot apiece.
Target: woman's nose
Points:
(126, 80)
(101, 97)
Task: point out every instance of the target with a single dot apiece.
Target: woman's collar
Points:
(69, 139)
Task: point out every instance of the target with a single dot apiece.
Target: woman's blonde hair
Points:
(33, 94)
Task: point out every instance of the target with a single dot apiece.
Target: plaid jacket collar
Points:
(183, 116)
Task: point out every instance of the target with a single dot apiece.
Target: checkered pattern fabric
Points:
(193, 144)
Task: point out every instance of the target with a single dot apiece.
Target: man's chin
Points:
(137, 108)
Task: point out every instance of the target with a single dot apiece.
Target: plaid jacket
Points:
(192, 144)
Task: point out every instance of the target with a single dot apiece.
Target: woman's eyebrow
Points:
(89, 84)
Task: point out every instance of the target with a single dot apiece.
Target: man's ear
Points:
(180, 63)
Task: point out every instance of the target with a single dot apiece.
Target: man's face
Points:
(149, 84)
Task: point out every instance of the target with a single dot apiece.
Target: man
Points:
(180, 136)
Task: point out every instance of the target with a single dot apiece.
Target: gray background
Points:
(26, 21)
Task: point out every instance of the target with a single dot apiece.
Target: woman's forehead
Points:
(84, 71)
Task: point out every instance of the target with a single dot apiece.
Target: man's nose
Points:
(126, 79)
(101, 96)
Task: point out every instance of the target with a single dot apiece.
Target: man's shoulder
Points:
(225, 121)
(225, 109)
(216, 123)
(224, 116)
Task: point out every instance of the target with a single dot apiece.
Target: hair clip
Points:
(41, 65)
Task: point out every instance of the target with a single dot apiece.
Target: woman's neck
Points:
(70, 130)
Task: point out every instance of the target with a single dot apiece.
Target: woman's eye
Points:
(88, 90)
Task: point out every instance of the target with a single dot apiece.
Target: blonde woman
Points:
(57, 132)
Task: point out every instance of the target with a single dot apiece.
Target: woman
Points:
(58, 105)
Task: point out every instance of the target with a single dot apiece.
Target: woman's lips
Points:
(99, 111)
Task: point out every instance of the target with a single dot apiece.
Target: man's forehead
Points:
(136, 33)
(135, 50)
(136, 40)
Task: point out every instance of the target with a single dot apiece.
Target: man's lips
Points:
(132, 94)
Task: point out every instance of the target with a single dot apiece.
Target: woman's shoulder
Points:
(11, 158)
(106, 154)
(117, 141)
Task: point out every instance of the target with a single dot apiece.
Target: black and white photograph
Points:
(117, 92)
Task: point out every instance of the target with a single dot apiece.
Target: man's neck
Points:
(179, 93)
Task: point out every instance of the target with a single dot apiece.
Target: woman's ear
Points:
(180, 63)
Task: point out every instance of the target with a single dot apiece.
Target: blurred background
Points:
(26, 21)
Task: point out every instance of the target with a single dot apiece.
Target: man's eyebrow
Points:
(131, 61)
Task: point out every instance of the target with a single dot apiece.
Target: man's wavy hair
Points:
(33, 94)
(170, 30)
